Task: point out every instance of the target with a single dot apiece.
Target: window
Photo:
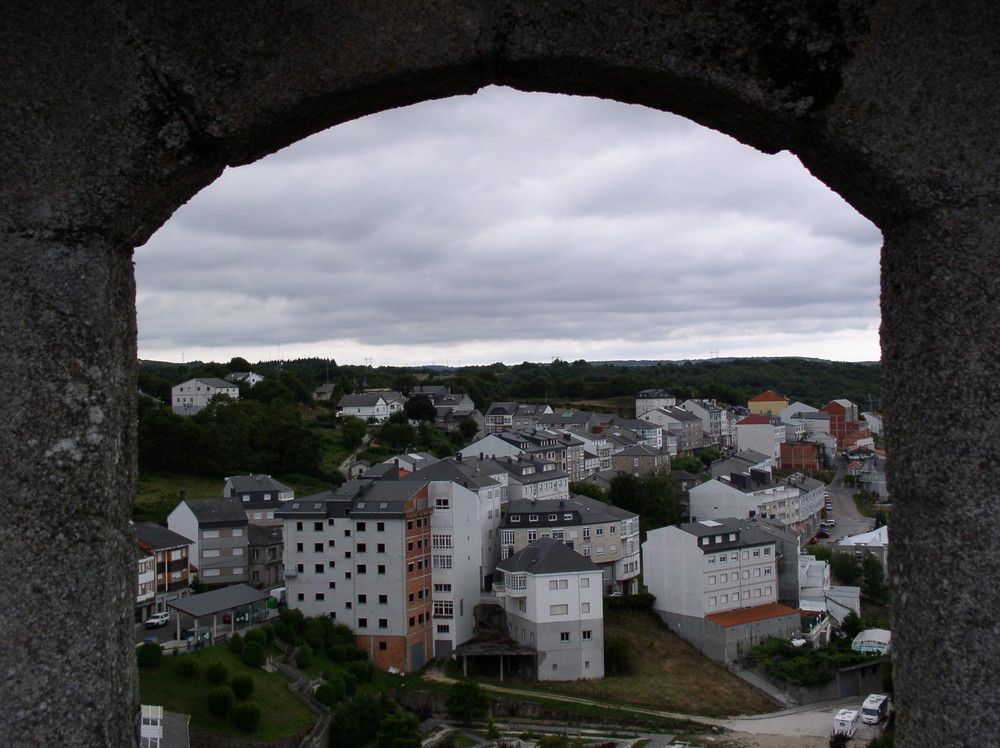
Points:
(362, 623)
(568, 515)
(600, 550)
(599, 530)
(558, 610)
(380, 548)
(210, 553)
(442, 562)
(584, 607)
(767, 572)
(553, 517)
(301, 596)
(711, 579)
(443, 628)
(300, 568)
(441, 541)
(558, 584)
(756, 553)
(320, 596)
(362, 547)
(382, 646)
(383, 599)
(442, 502)
(522, 604)
(584, 582)
(515, 518)
(444, 609)
(725, 598)
(442, 588)
(362, 568)
(330, 544)
(564, 636)
(612, 529)
(532, 536)
(332, 564)
(210, 534)
(713, 600)
(318, 526)
(362, 526)
(532, 518)
(383, 623)
(586, 533)
(318, 568)
(332, 585)
(318, 547)
(362, 599)
(767, 551)
(347, 533)
(586, 635)
(711, 560)
(380, 527)
(211, 572)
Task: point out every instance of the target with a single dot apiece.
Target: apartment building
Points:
(716, 585)
(396, 560)
(171, 572)
(187, 398)
(603, 533)
(551, 597)
(218, 530)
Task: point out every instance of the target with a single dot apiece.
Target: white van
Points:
(846, 722)
(876, 708)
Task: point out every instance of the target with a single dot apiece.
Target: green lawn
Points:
(281, 713)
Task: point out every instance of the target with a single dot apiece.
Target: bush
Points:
(256, 635)
(467, 701)
(247, 716)
(236, 643)
(304, 658)
(360, 669)
(220, 701)
(242, 686)
(617, 656)
(187, 666)
(326, 694)
(253, 654)
(638, 601)
(217, 673)
(148, 654)
(336, 682)
(340, 652)
(268, 630)
(292, 617)
(284, 632)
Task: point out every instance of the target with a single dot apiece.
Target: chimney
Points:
(183, 495)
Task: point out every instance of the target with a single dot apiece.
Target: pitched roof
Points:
(767, 397)
(749, 615)
(260, 482)
(157, 536)
(221, 511)
(218, 600)
(547, 556)
(754, 420)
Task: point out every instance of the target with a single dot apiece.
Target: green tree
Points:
(352, 432)
(247, 716)
(399, 730)
(242, 685)
(420, 408)
(708, 455)
(357, 721)
(397, 436)
(852, 625)
(468, 428)
(467, 701)
(587, 488)
(148, 654)
(873, 583)
(688, 464)
(220, 701)
(846, 568)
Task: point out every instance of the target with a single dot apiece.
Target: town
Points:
(503, 556)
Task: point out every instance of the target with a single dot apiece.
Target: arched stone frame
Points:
(117, 112)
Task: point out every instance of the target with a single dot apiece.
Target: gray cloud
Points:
(497, 226)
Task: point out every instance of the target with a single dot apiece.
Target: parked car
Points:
(823, 534)
(828, 507)
(157, 619)
(828, 523)
(813, 540)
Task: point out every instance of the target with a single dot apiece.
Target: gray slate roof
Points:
(547, 556)
(159, 537)
(218, 511)
(586, 511)
(249, 483)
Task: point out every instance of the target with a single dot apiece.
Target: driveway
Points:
(801, 724)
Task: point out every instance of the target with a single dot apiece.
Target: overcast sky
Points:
(512, 227)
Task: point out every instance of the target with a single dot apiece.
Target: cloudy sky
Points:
(512, 227)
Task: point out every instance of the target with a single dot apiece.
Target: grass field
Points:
(668, 674)
(281, 713)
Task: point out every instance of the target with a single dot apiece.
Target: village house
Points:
(187, 398)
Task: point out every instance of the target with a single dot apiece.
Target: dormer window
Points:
(515, 518)
(532, 518)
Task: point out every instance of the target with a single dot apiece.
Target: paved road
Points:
(849, 520)
(815, 720)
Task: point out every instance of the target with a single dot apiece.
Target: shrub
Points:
(304, 658)
(467, 701)
(360, 669)
(336, 683)
(284, 632)
(617, 656)
(187, 666)
(253, 654)
(242, 685)
(350, 682)
(247, 716)
(326, 694)
(236, 643)
(292, 617)
(217, 673)
(268, 630)
(148, 654)
(340, 652)
(220, 701)
(256, 635)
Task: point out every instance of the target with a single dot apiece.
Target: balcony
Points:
(289, 573)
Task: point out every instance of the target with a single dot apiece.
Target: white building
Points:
(551, 596)
(187, 398)
(760, 433)
(716, 585)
